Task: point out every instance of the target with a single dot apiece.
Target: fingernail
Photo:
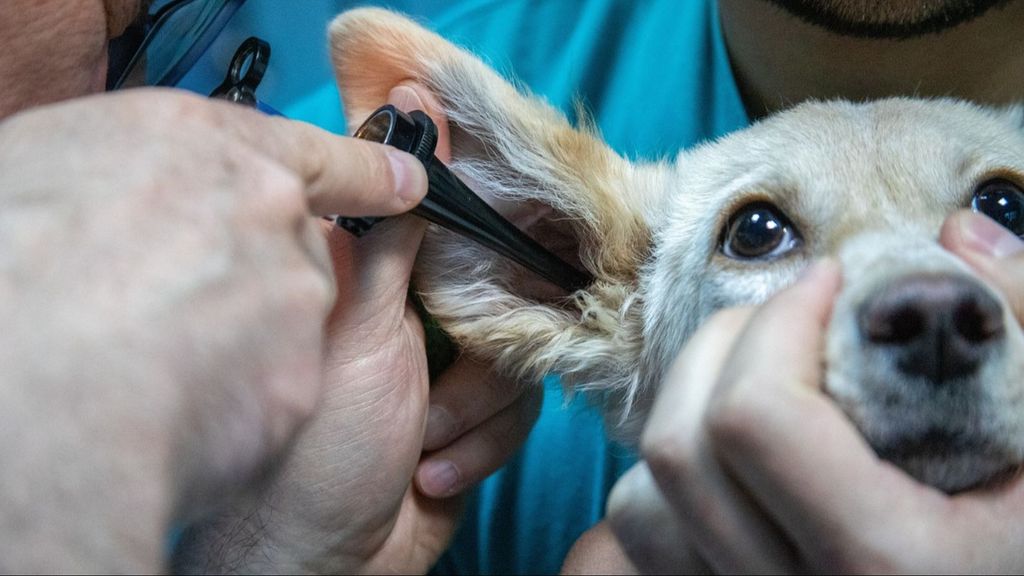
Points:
(408, 187)
(440, 427)
(984, 235)
(438, 479)
(405, 98)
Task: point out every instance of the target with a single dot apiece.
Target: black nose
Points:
(938, 326)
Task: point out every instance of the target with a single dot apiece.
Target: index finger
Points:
(342, 175)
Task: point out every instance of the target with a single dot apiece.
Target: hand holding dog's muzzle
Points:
(724, 414)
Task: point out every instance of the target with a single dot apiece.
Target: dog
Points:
(922, 355)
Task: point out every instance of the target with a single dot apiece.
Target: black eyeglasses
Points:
(166, 42)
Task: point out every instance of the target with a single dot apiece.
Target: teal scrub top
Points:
(655, 75)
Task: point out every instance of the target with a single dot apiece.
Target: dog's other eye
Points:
(758, 230)
(1002, 201)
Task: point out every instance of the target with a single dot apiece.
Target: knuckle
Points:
(300, 403)
(23, 125)
(138, 105)
(294, 393)
(311, 294)
(669, 456)
(730, 420)
(329, 295)
(173, 107)
(294, 297)
(280, 192)
(293, 399)
(626, 496)
(314, 161)
(619, 511)
(323, 271)
(288, 194)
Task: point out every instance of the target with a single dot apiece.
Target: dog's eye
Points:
(758, 230)
(1002, 201)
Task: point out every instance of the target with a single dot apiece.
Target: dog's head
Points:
(923, 356)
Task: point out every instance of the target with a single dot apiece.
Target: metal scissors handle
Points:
(245, 73)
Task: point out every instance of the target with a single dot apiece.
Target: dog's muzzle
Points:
(937, 328)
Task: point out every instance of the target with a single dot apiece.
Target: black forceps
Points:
(451, 204)
(448, 203)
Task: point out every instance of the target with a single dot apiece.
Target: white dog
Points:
(922, 355)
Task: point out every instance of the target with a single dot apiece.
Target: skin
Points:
(194, 429)
(61, 55)
(344, 502)
(185, 342)
(739, 480)
(779, 59)
(729, 474)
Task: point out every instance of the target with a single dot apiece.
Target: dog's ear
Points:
(563, 185)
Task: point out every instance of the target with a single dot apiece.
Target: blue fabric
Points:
(655, 76)
(524, 518)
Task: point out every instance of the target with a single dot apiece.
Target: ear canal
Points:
(523, 156)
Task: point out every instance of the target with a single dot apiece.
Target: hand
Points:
(345, 500)
(760, 472)
(598, 551)
(164, 290)
(476, 422)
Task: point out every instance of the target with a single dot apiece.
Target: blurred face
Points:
(887, 18)
(52, 50)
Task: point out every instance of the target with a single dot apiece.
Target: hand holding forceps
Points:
(448, 203)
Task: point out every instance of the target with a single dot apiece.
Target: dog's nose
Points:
(936, 326)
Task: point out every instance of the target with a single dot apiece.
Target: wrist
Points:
(248, 539)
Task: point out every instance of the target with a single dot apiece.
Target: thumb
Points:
(373, 272)
(995, 252)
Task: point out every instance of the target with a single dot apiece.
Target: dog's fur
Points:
(870, 183)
